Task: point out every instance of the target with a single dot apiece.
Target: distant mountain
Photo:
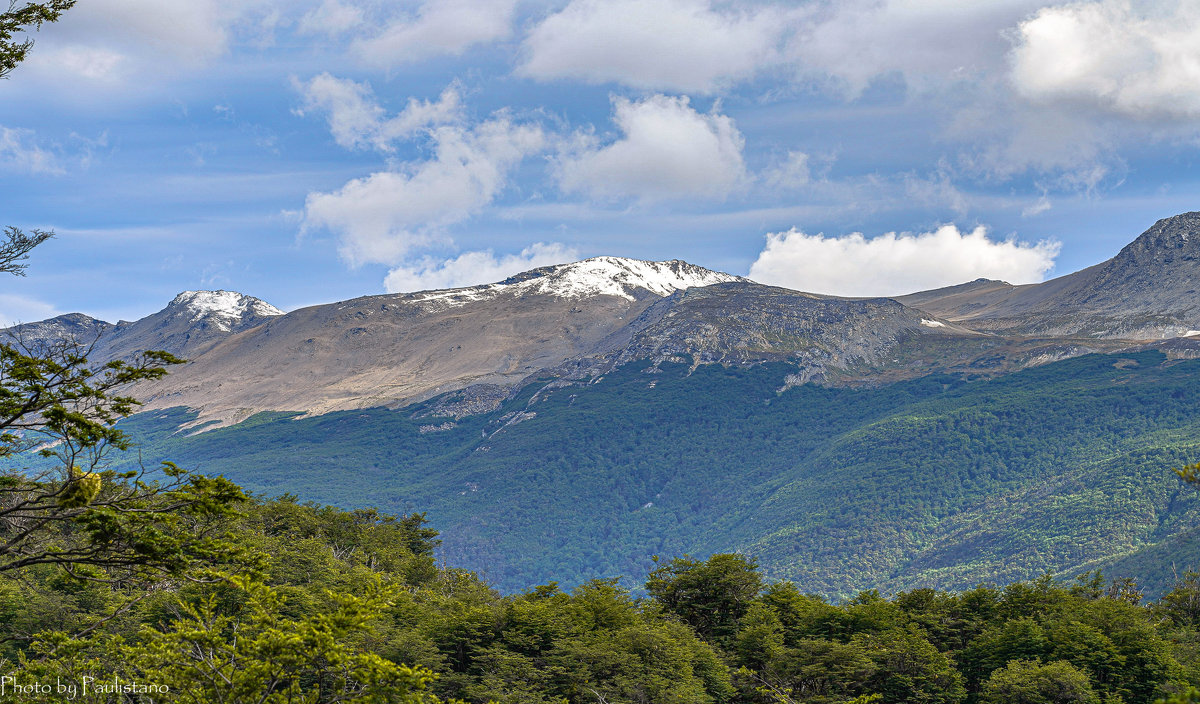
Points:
(1148, 291)
(76, 327)
(191, 323)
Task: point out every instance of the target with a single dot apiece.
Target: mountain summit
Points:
(630, 279)
(616, 276)
(226, 310)
(1147, 291)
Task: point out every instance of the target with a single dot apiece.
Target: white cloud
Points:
(19, 151)
(1042, 205)
(668, 151)
(440, 27)
(894, 264)
(928, 42)
(357, 120)
(1135, 59)
(683, 45)
(332, 18)
(791, 173)
(125, 43)
(1070, 151)
(112, 39)
(381, 217)
(16, 309)
(474, 268)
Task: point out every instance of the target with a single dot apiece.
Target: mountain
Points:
(192, 322)
(396, 349)
(572, 421)
(933, 481)
(1147, 291)
(570, 322)
(78, 327)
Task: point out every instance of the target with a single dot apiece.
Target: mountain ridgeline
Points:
(573, 421)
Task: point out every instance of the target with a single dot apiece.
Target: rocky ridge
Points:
(1148, 291)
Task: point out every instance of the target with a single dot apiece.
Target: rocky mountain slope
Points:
(395, 349)
(576, 321)
(1148, 291)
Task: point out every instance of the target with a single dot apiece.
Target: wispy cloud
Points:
(438, 28)
(16, 309)
(20, 151)
(679, 45)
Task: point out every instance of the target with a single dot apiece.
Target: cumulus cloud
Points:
(357, 120)
(897, 263)
(684, 45)
(381, 217)
(20, 151)
(1135, 59)
(16, 309)
(474, 268)
(928, 42)
(440, 28)
(668, 150)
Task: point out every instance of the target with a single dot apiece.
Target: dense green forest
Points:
(937, 481)
(315, 604)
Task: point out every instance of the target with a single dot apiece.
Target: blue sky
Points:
(307, 151)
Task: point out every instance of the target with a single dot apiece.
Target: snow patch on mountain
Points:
(598, 276)
(615, 276)
(223, 308)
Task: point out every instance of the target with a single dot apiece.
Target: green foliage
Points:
(1030, 682)
(710, 596)
(16, 245)
(349, 606)
(19, 18)
(259, 654)
(1191, 696)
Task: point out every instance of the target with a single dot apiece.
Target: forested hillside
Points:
(315, 604)
(935, 482)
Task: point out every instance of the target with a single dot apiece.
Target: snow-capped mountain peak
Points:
(222, 308)
(617, 276)
(598, 276)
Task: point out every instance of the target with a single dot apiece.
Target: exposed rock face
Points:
(746, 323)
(1148, 291)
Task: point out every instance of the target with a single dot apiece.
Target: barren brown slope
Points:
(396, 349)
